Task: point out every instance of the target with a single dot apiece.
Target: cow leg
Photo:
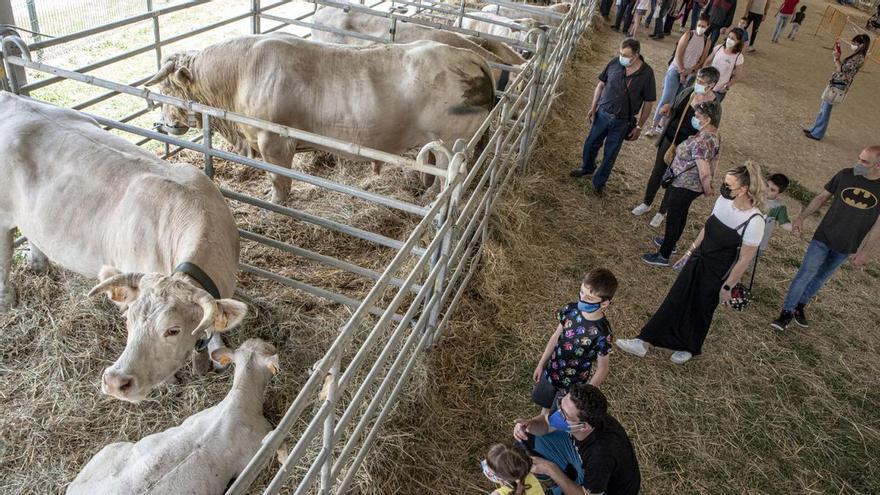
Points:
(37, 261)
(7, 293)
(277, 151)
(377, 167)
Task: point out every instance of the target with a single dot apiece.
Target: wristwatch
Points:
(726, 287)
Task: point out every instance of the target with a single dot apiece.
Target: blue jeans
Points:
(819, 264)
(558, 448)
(781, 22)
(671, 84)
(611, 131)
(822, 120)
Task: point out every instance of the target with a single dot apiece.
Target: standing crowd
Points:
(575, 445)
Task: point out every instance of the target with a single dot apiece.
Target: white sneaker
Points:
(657, 220)
(636, 347)
(651, 132)
(641, 210)
(681, 357)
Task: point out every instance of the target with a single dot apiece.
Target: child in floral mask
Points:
(509, 467)
(578, 350)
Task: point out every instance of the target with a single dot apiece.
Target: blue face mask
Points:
(558, 422)
(625, 61)
(695, 123)
(588, 307)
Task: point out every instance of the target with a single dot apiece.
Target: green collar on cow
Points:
(199, 276)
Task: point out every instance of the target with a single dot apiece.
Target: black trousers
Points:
(680, 200)
(657, 174)
(624, 16)
(714, 32)
(605, 8)
(755, 21)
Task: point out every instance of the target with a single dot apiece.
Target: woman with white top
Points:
(692, 49)
(716, 261)
(728, 59)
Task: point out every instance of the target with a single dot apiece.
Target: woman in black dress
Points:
(715, 262)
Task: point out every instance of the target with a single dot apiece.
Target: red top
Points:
(788, 7)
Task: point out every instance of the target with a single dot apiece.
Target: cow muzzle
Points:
(120, 385)
(174, 130)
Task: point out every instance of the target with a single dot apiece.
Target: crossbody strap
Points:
(744, 226)
(681, 119)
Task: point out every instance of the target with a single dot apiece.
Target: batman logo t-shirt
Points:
(853, 212)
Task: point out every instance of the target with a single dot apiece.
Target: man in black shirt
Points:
(625, 86)
(581, 447)
(850, 227)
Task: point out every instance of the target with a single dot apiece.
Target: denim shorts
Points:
(545, 394)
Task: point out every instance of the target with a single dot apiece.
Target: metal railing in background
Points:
(352, 390)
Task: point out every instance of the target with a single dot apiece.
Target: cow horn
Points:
(162, 74)
(209, 313)
(121, 280)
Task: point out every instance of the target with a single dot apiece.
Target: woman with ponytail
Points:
(714, 264)
(510, 467)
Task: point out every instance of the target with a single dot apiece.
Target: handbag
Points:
(834, 94)
(669, 178)
(740, 295)
(670, 153)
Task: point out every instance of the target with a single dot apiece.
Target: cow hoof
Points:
(38, 265)
(278, 198)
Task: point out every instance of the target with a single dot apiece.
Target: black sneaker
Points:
(579, 172)
(658, 241)
(800, 317)
(784, 319)
(655, 259)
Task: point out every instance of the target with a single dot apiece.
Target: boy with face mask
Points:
(577, 352)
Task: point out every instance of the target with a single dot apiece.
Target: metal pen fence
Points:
(353, 391)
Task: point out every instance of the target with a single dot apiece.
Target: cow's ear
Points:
(230, 314)
(182, 76)
(119, 288)
(272, 364)
(222, 356)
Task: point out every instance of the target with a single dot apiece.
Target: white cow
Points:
(407, 32)
(100, 206)
(548, 20)
(482, 25)
(389, 97)
(203, 454)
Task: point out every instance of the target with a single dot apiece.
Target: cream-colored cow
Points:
(203, 454)
(159, 236)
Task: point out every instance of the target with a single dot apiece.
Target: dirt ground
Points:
(758, 412)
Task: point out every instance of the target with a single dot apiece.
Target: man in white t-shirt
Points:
(756, 11)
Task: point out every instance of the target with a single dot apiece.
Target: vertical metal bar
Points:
(329, 426)
(34, 19)
(531, 109)
(207, 134)
(461, 11)
(156, 38)
(493, 168)
(256, 9)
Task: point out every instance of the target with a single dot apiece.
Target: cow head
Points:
(165, 316)
(175, 78)
(253, 355)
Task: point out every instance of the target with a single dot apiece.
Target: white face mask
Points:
(701, 30)
(700, 89)
(854, 47)
(730, 43)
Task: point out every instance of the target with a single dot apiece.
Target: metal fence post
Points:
(255, 20)
(493, 168)
(33, 18)
(531, 108)
(207, 135)
(156, 38)
(329, 426)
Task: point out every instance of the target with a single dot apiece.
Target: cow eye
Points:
(172, 332)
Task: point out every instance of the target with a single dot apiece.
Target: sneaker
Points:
(651, 132)
(636, 347)
(680, 29)
(751, 49)
(641, 210)
(810, 135)
(655, 259)
(681, 357)
(579, 172)
(658, 241)
(784, 319)
(657, 220)
(800, 317)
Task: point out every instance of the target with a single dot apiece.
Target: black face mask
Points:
(726, 192)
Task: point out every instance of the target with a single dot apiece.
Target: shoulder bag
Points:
(834, 94)
(740, 296)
